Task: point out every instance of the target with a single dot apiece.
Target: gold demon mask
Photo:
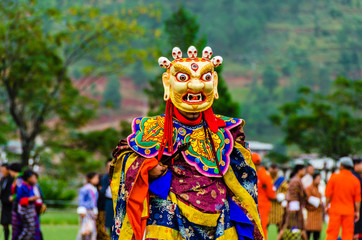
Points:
(190, 83)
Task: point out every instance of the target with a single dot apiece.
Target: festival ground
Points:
(63, 225)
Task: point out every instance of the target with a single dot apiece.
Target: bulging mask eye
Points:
(206, 76)
(182, 77)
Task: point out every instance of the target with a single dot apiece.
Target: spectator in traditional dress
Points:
(307, 180)
(40, 206)
(101, 219)
(314, 208)
(296, 197)
(278, 205)
(16, 221)
(6, 206)
(265, 192)
(106, 190)
(39, 203)
(25, 194)
(87, 208)
(343, 193)
(358, 173)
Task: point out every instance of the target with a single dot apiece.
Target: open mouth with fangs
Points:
(194, 98)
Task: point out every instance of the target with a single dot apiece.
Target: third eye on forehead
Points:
(187, 69)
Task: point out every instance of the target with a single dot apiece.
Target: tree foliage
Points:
(182, 30)
(270, 78)
(112, 95)
(225, 104)
(38, 47)
(327, 124)
(298, 41)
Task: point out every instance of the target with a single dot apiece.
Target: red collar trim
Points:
(186, 121)
(212, 121)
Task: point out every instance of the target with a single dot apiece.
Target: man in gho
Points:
(186, 174)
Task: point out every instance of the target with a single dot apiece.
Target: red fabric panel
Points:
(138, 194)
(24, 201)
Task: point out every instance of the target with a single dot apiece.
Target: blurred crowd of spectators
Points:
(21, 202)
(299, 206)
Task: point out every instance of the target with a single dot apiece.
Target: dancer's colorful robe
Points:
(192, 200)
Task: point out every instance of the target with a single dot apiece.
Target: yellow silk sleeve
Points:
(117, 165)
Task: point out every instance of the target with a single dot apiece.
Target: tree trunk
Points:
(27, 146)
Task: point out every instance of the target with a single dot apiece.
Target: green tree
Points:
(327, 124)
(259, 105)
(38, 45)
(225, 104)
(182, 30)
(112, 95)
(270, 78)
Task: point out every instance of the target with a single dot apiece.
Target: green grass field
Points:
(63, 225)
(60, 224)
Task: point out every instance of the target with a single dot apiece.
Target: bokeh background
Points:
(73, 75)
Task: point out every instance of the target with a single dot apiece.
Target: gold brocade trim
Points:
(116, 179)
(162, 232)
(126, 229)
(193, 215)
(246, 153)
(132, 157)
(117, 174)
(243, 197)
(229, 233)
(145, 211)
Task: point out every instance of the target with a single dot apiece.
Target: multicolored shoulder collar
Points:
(148, 132)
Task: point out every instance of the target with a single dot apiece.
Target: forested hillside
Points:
(270, 48)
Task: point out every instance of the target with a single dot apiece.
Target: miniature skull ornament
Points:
(176, 53)
(217, 61)
(192, 52)
(207, 53)
(164, 62)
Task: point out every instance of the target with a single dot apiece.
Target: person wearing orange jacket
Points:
(343, 193)
(266, 192)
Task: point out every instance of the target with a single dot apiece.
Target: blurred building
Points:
(260, 147)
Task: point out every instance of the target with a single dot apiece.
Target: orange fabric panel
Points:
(336, 221)
(264, 217)
(265, 188)
(137, 196)
(344, 190)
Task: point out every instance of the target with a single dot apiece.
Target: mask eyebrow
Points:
(207, 68)
(180, 68)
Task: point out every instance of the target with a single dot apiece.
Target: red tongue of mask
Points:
(212, 121)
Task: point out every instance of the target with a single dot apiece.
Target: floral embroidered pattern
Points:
(148, 132)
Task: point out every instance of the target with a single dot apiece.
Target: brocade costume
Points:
(208, 190)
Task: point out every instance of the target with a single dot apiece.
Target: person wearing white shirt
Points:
(87, 208)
